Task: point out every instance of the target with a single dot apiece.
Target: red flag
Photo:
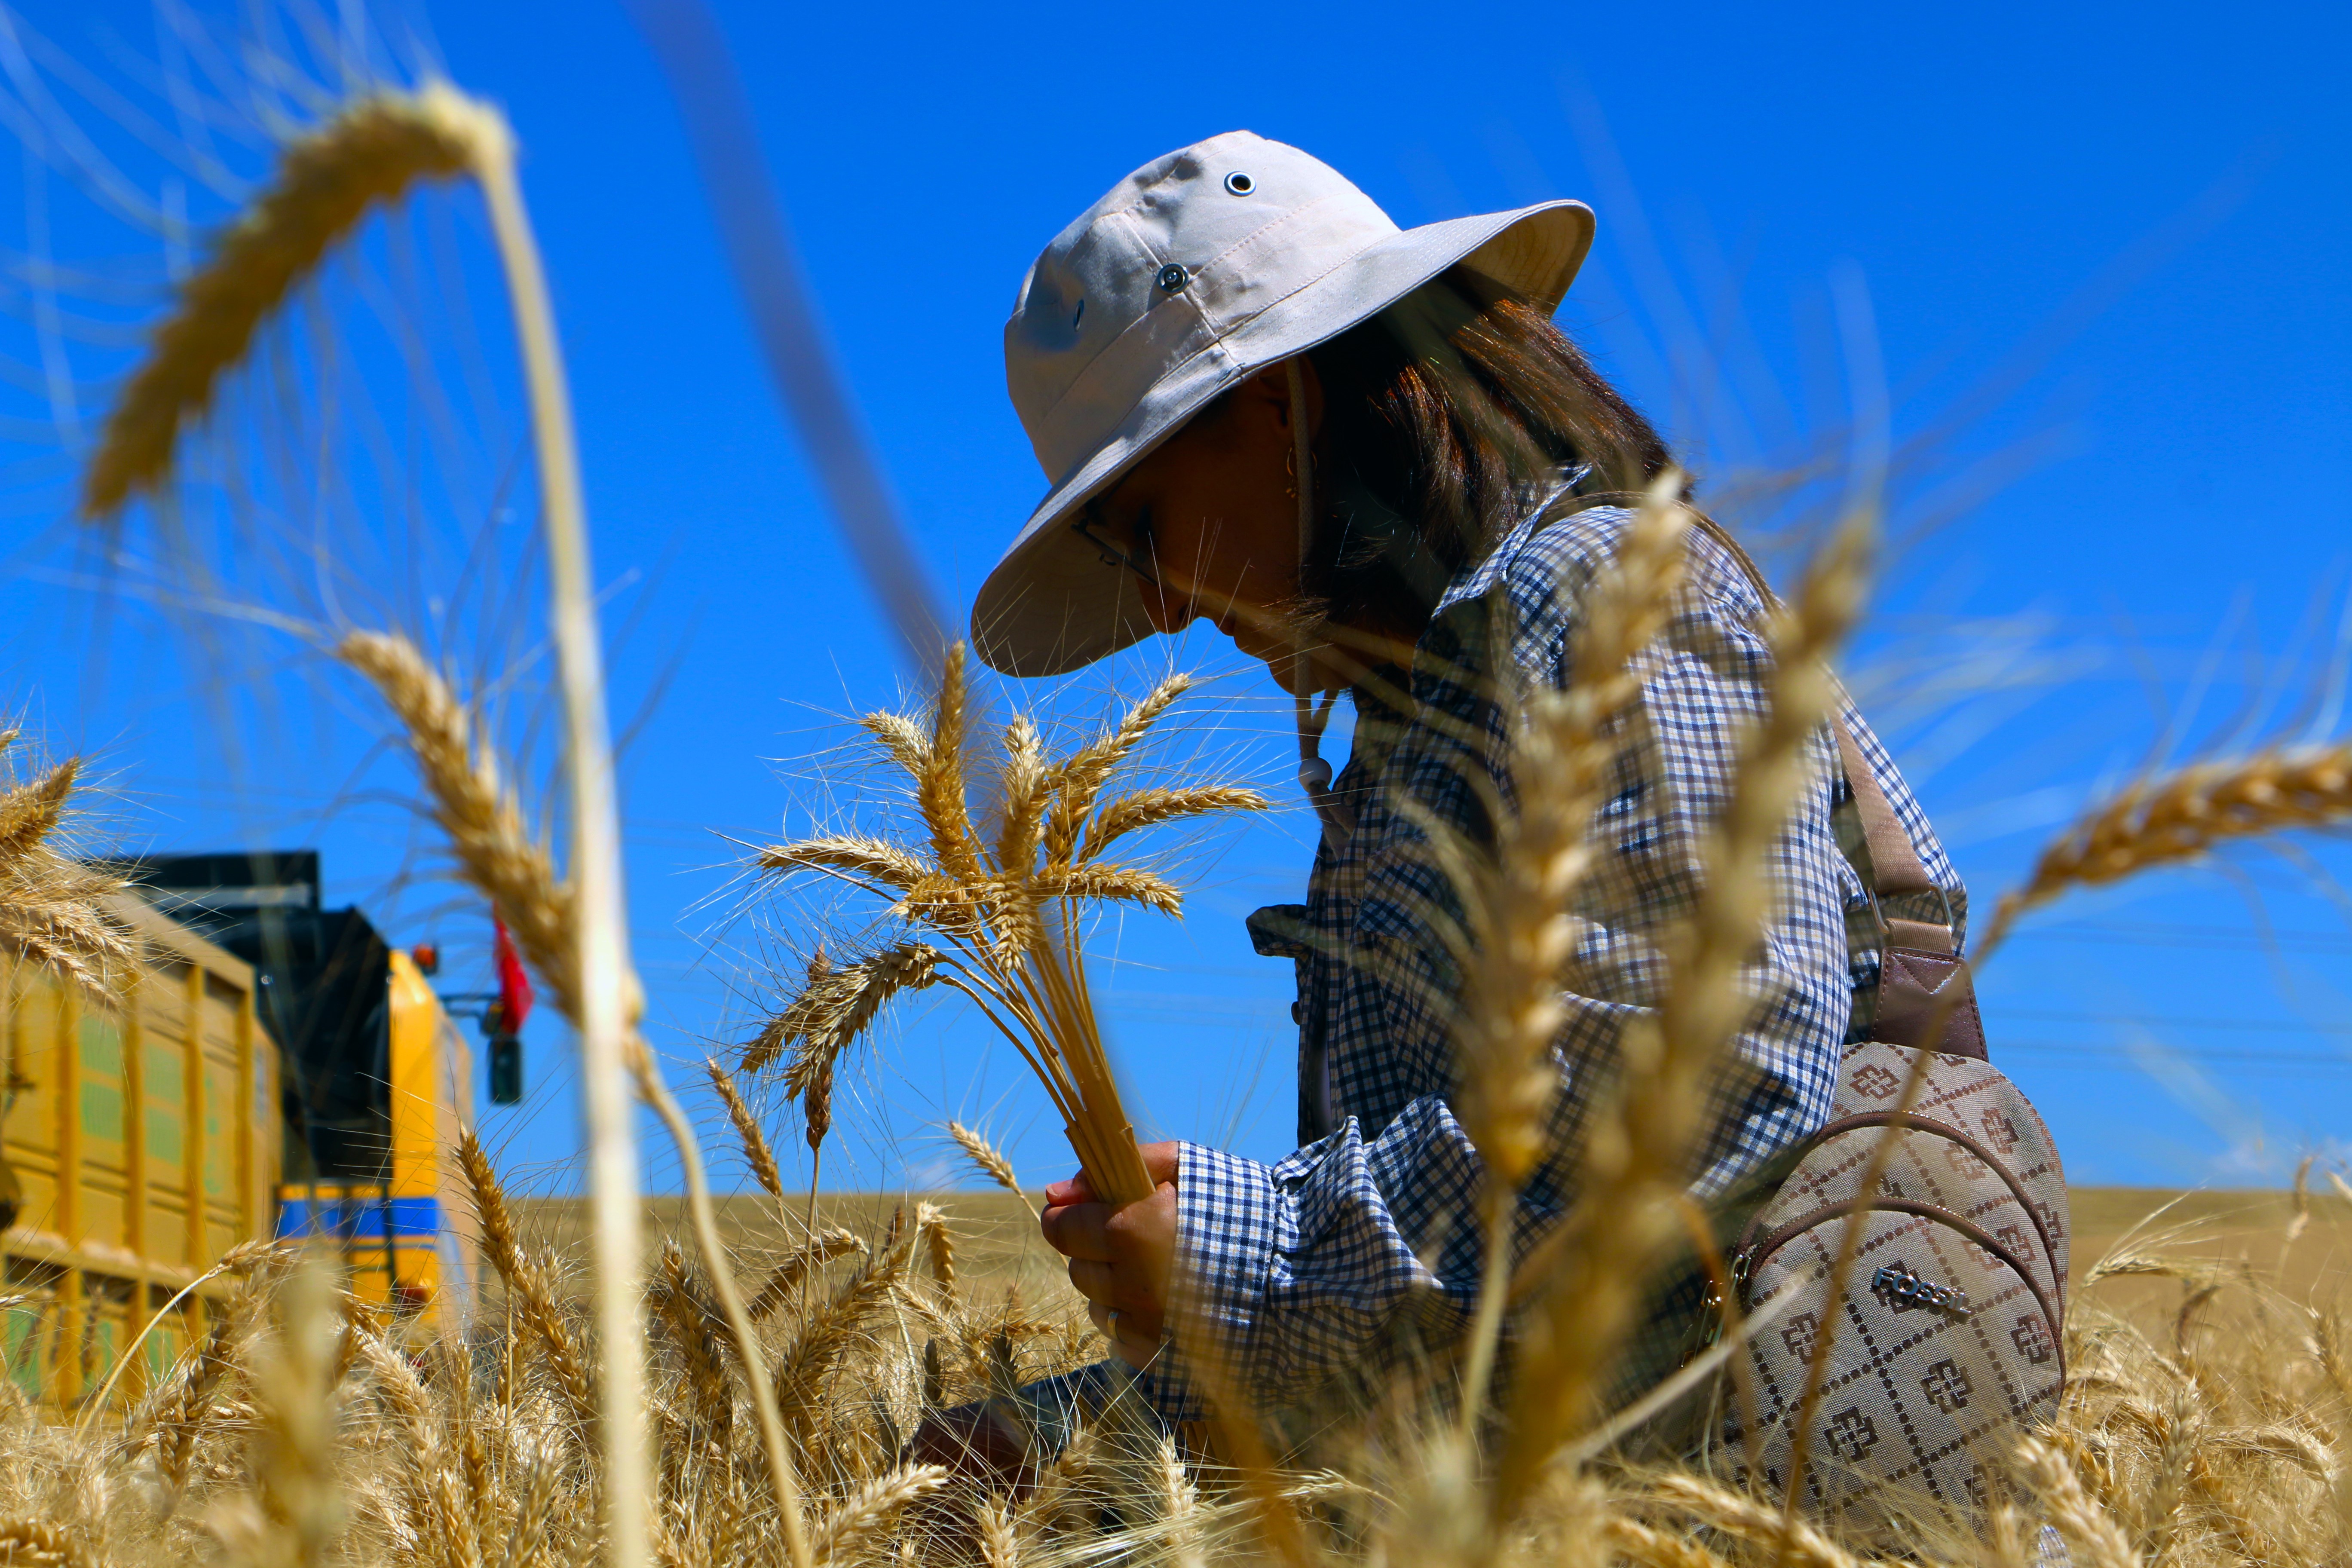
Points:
(514, 985)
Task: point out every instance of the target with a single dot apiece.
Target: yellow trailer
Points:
(144, 1141)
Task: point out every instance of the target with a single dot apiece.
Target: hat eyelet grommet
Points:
(1239, 184)
(1172, 278)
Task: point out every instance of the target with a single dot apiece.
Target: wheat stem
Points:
(731, 1299)
(608, 990)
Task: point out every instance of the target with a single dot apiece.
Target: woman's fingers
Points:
(1141, 1325)
(1141, 1232)
(1114, 1285)
(1135, 1336)
(1075, 1190)
(1119, 1259)
(1162, 1160)
(1096, 1282)
(1079, 1230)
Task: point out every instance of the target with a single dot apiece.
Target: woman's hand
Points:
(1119, 1259)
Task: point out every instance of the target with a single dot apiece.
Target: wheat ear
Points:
(854, 856)
(38, 1544)
(1738, 1514)
(762, 1159)
(871, 1510)
(1636, 1154)
(176, 1420)
(1025, 785)
(53, 918)
(32, 810)
(984, 1155)
(815, 1253)
(54, 910)
(1151, 807)
(1079, 778)
(525, 1281)
(731, 1299)
(939, 1238)
(476, 808)
(940, 786)
(833, 1327)
(1000, 1546)
(2184, 815)
(689, 1321)
(369, 155)
(1653, 1548)
(2097, 1539)
(840, 1003)
(1519, 925)
(1179, 1506)
(455, 1534)
(302, 1509)
(497, 853)
(790, 1024)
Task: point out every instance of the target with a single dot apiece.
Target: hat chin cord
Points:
(1314, 772)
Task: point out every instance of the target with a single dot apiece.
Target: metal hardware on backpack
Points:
(1944, 1338)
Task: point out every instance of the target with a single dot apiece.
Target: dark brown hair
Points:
(1441, 415)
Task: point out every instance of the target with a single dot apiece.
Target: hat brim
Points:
(1052, 606)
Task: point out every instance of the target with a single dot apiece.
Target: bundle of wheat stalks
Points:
(1008, 906)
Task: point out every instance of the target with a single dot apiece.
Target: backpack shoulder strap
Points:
(1894, 864)
(1926, 997)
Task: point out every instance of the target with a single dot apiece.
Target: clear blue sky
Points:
(2111, 240)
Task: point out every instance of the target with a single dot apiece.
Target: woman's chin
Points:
(1295, 672)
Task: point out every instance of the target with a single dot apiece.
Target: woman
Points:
(1367, 457)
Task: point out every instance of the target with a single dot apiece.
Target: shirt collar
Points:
(1536, 502)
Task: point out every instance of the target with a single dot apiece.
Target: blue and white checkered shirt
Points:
(1364, 1244)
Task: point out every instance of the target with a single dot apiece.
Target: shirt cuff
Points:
(1229, 1225)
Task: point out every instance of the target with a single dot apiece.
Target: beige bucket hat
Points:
(1195, 272)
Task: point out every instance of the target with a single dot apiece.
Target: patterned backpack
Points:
(1942, 1341)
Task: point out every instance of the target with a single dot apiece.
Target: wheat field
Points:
(2205, 1425)
(2222, 1227)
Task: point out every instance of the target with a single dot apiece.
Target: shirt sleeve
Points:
(1286, 1270)
(1364, 1247)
